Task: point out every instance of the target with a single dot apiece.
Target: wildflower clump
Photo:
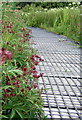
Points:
(20, 95)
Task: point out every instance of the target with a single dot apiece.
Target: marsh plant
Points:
(62, 20)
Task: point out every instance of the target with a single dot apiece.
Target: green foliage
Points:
(64, 21)
(20, 96)
(48, 5)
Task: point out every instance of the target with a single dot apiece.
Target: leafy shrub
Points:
(20, 95)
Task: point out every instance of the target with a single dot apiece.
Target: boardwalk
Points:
(61, 68)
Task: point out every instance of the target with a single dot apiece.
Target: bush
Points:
(20, 95)
(64, 21)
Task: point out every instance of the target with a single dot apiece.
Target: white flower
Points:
(61, 8)
(70, 4)
(71, 8)
(78, 3)
(45, 9)
(26, 14)
(74, 3)
(52, 9)
(76, 7)
(66, 7)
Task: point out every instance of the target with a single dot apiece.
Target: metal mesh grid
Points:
(62, 95)
(62, 82)
(59, 64)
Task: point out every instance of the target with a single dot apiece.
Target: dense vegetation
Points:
(65, 21)
(47, 4)
(20, 95)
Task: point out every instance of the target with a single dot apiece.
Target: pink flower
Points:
(3, 49)
(17, 82)
(26, 82)
(36, 62)
(7, 83)
(9, 27)
(10, 31)
(20, 49)
(33, 67)
(12, 45)
(29, 88)
(19, 76)
(5, 54)
(2, 31)
(34, 71)
(24, 69)
(41, 74)
(6, 90)
(18, 86)
(32, 59)
(13, 78)
(36, 56)
(7, 43)
(23, 29)
(8, 54)
(22, 90)
(35, 85)
(7, 95)
(13, 94)
(41, 59)
(36, 76)
(26, 34)
(8, 77)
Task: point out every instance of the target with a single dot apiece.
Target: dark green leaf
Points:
(6, 87)
(19, 113)
(3, 116)
(12, 113)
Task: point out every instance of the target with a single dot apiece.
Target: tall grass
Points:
(65, 21)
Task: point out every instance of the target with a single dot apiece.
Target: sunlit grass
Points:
(65, 21)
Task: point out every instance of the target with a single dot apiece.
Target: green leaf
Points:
(19, 113)
(17, 104)
(30, 101)
(12, 73)
(7, 106)
(37, 106)
(3, 116)
(12, 114)
(22, 109)
(3, 72)
(6, 87)
(15, 71)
